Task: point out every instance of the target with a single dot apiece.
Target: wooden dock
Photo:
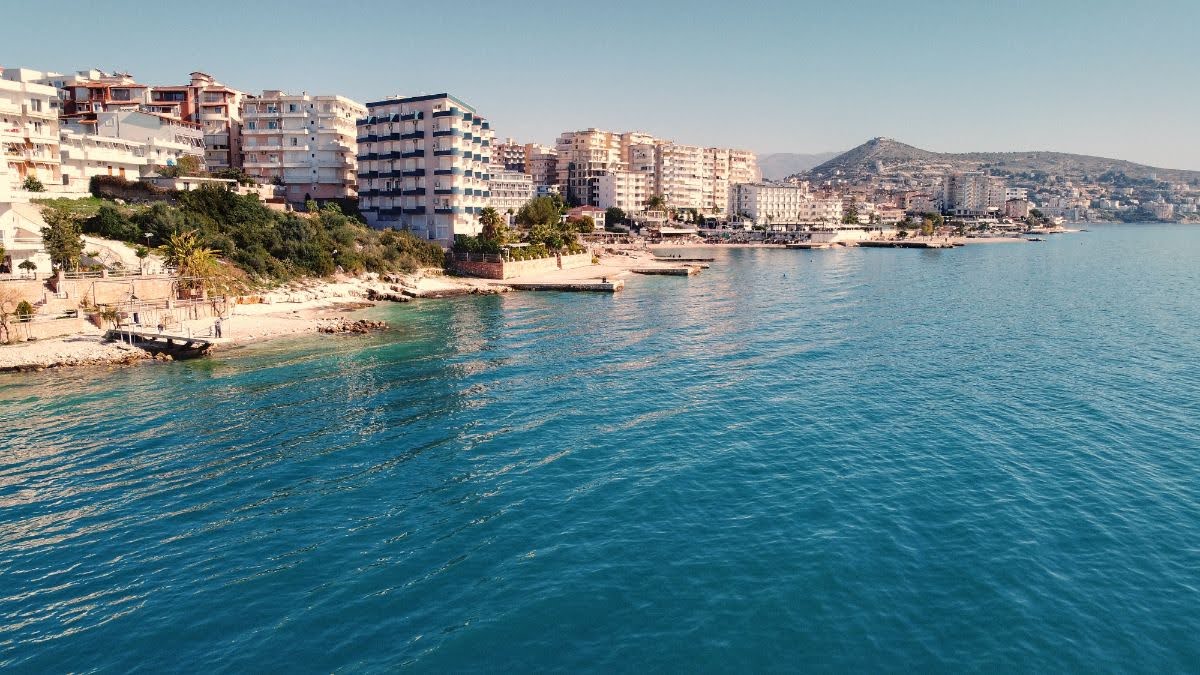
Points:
(175, 346)
(808, 245)
(684, 260)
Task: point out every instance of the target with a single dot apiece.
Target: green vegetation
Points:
(850, 216)
(545, 210)
(546, 233)
(185, 166)
(24, 311)
(266, 245)
(32, 184)
(62, 238)
(613, 218)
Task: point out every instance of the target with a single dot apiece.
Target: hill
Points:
(885, 156)
(779, 165)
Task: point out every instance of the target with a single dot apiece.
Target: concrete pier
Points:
(668, 271)
(901, 243)
(595, 286)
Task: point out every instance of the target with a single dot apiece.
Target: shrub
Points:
(32, 184)
(24, 311)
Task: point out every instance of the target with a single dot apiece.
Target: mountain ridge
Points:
(880, 156)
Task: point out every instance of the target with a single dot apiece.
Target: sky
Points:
(1115, 79)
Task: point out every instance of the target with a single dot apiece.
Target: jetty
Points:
(808, 245)
(684, 260)
(175, 346)
(595, 286)
(901, 243)
(685, 271)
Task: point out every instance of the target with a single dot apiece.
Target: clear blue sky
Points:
(1108, 78)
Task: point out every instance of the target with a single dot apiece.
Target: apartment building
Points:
(424, 165)
(29, 127)
(165, 139)
(783, 204)
(509, 155)
(541, 162)
(972, 193)
(212, 105)
(95, 91)
(680, 175)
(584, 156)
(85, 155)
(306, 143)
(625, 190)
(508, 191)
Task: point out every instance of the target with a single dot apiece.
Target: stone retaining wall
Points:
(520, 268)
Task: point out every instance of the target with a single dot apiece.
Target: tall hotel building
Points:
(423, 165)
(304, 142)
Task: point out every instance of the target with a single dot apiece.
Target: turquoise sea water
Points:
(979, 459)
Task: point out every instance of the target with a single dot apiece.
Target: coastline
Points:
(303, 307)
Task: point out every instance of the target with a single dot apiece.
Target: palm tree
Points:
(656, 203)
(196, 265)
(492, 223)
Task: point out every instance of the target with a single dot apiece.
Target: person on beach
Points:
(217, 327)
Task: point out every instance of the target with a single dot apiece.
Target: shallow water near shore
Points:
(980, 458)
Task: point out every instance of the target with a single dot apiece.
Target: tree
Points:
(142, 253)
(32, 184)
(8, 304)
(24, 311)
(62, 237)
(850, 216)
(584, 224)
(656, 203)
(926, 227)
(613, 217)
(493, 224)
(540, 211)
(195, 264)
(935, 218)
(29, 266)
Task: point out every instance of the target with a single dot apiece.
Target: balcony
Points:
(413, 135)
(413, 154)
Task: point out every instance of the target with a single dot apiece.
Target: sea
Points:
(981, 459)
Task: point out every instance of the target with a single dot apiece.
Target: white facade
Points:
(424, 165)
(625, 190)
(87, 155)
(166, 139)
(509, 191)
(782, 204)
(972, 193)
(306, 143)
(29, 127)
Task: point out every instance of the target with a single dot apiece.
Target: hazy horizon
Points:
(1095, 78)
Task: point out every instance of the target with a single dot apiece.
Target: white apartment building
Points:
(508, 191)
(972, 193)
(20, 228)
(86, 155)
(166, 139)
(680, 175)
(509, 155)
(541, 162)
(584, 156)
(424, 165)
(625, 190)
(774, 204)
(306, 143)
(29, 127)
